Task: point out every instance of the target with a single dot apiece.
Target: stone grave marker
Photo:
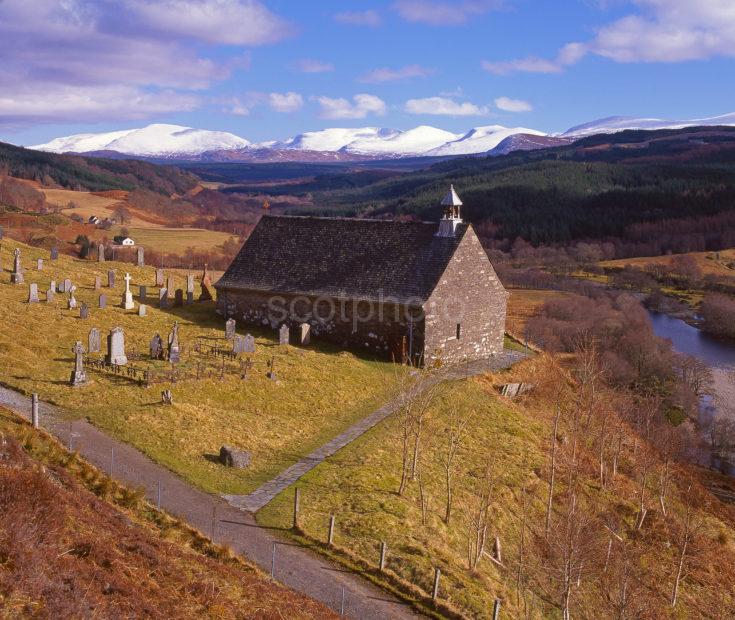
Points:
(100, 253)
(17, 276)
(102, 301)
(66, 286)
(163, 298)
(190, 283)
(2, 233)
(127, 297)
(72, 304)
(174, 351)
(39, 264)
(84, 311)
(303, 333)
(159, 277)
(142, 309)
(170, 283)
(238, 344)
(94, 342)
(116, 347)
(111, 279)
(50, 293)
(54, 253)
(230, 327)
(189, 297)
(97, 283)
(33, 293)
(78, 376)
(249, 344)
(142, 292)
(140, 257)
(157, 347)
(206, 284)
(283, 334)
(179, 298)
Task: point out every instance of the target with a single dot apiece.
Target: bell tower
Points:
(451, 218)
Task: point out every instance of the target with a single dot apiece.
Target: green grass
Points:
(359, 483)
(178, 240)
(319, 391)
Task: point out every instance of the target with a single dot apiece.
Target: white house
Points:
(126, 241)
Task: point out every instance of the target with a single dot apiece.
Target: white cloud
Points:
(285, 102)
(361, 106)
(513, 105)
(437, 13)
(386, 74)
(359, 18)
(309, 65)
(229, 22)
(443, 106)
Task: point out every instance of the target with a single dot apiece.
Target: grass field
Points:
(177, 240)
(524, 303)
(277, 421)
(706, 261)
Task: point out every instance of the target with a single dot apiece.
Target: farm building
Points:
(406, 290)
(126, 241)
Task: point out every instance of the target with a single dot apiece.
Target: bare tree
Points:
(481, 494)
(689, 526)
(552, 473)
(454, 435)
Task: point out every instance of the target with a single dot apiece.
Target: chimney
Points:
(451, 218)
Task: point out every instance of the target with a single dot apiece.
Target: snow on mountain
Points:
(614, 124)
(157, 140)
(414, 141)
(332, 139)
(480, 140)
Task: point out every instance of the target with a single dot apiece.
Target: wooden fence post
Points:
(296, 498)
(330, 533)
(34, 410)
(435, 592)
(382, 556)
(496, 609)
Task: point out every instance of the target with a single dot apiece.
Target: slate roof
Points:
(343, 258)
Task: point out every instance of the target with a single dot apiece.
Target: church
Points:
(407, 291)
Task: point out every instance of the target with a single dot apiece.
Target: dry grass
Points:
(706, 261)
(525, 303)
(177, 240)
(72, 540)
(319, 392)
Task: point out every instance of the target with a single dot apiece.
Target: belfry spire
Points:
(450, 220)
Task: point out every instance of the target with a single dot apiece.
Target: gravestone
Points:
(94, 343)
(102, 301)
(162, 298)
(78, 376)
(206, 284)
(142, 309)
(111, 279)
(249, 344)
(190, 283)
(100, 253)
(39, 264)
(159, 277)
(84, 311)
(116, 347)
(72, 304)
(50, 293)
(17, 276)
(232, 457)
(283, 334)
(54, 253)
(141, 258)
(142, 292)
(230, 327)
(179, 298)
(97, 283)
(2, 233)
(66, 286)
(303, 333)
(174, 352)
(157, 347)
(127, 297)
(33, 293)
(167, 398)
(170, 283)
(238, 344)
(189, 297)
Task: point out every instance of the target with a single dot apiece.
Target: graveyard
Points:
(277, 403)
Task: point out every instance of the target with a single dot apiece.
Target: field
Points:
(708, 262)
(523, 304)
(318, 394)
(177, 240)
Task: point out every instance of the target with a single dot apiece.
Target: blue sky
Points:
(268, 69)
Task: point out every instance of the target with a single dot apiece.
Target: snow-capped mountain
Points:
(614, 124)
(157, 140)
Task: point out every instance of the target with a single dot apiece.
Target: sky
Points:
(270, 69)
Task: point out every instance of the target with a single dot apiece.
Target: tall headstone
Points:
(54, 253)
(179, 297)
(102, 301)
(94, 342)
(304, 334)
(33, 293)
(283, 334)
(142, 292)
(66, 286)
(17, 276)
(100, 253)
(111, 279)
(78, 376)
(170, 283)
(159, 277)
(174, 351)
(39, 264)
(230, 327)
(189, 283)
(206, 284)
(189, 297)
(50, 293)
(249, 344)
(97, 283)
(162, 298)
(141, 257)
(127, 298)
(142, 309)
(72, 303)
(116, 347)
(157, 347)
(238, 344)
(84, 311)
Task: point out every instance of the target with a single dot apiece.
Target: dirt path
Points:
(268, 491)
(295, 566)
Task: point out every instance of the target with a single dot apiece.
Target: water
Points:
(692, 341)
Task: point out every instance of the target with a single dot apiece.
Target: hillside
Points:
(74, 543)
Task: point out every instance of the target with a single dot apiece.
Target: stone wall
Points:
(471, 296)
